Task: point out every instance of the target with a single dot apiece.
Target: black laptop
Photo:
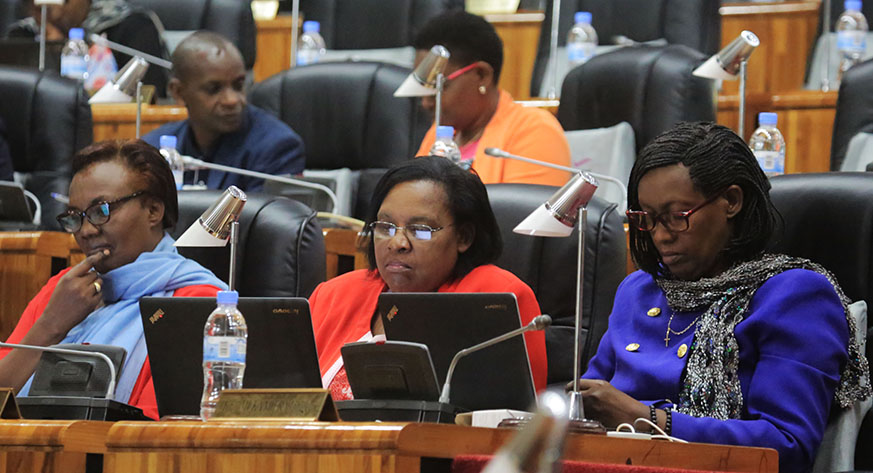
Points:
(496, 377)
(280, 352)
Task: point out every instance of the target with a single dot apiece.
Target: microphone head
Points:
(496, 152)
(541, 321)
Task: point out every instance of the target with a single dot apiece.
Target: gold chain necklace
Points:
(670, 330)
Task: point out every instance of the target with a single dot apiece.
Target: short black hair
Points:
(467, 201)
(469, 38)
(716, 158)
(145, 161)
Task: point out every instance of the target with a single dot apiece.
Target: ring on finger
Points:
(97, 287)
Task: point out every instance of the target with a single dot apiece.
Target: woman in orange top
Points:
(483, 115)
(432, 231)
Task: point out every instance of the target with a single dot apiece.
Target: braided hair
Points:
(716, 158)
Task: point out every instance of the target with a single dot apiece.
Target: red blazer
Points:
(343, 307)
(143, 394)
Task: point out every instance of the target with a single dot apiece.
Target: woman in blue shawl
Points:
(122, 200)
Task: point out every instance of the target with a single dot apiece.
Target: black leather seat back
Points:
(281, 246)
(829, 219)
(368, 24)
(693, 23)
(346, 113)
(548, 266)
(47, 119)
(854, 110)
(10, 12)
(229, 18)
(649, 87)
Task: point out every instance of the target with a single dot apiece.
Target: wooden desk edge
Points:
(415, 439)
(46, 243)
(84, 436)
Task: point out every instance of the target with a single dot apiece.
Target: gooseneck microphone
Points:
(538, 323)
(110, 390)
(191, 161)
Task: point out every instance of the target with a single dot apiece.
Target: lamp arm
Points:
(95, 38)
(190, 161)
(499, 153)
(110, 390)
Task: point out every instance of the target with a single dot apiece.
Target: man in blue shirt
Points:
(222, 128)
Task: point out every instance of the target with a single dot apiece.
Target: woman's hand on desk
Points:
(607, 404)
(78, 293)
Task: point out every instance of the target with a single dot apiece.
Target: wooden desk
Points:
(27, 261)
(274, 46)
(520, 33)
(787, 31)
(193, 447)
(806, 119)
(47, 446)
(118, 120)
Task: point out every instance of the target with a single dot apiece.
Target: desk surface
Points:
(168, 442)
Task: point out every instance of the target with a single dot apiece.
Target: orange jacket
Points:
(529, 132)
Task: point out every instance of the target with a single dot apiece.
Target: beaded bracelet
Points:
(668, 426)
(653, 414)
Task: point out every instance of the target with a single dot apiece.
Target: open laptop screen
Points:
(280, 352)
(496, 377)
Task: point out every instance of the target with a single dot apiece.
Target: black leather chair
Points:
(348, 117)
(829, 219)
(693, 23)
(229, 18)
(548, 266)
(368, 24)
(10, 11)
(854, 110)
(649, 87)
(281, 247)
(47, 120)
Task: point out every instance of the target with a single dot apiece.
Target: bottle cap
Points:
(582, 17)
(168, 141)
(77, 33)
(445, 132)
(311, 26)
(227, 297)
(767, 118)
(852, 5)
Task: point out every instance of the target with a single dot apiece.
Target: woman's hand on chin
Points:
(607, 404)
(77, 294)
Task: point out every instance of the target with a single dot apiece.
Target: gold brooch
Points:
(683, 349)
(654, 312)
(632, 347)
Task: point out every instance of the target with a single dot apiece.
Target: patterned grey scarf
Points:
(711, 387)
(105, 14)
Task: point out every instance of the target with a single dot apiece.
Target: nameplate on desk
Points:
(8, 406)
(299, 404)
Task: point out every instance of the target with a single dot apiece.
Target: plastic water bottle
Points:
(311, 45)
(768, 145)
(74, 56)
(582, 40)
(224, 351)
(851, 36)
(446, 147)
(168, 150)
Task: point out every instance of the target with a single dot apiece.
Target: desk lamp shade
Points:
(558, 215)
(725, 64)
(422, 81)
(213, 227)
(122, 88)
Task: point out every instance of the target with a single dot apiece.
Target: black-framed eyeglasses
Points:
(675, 222)
(415, 231)
(97, 214)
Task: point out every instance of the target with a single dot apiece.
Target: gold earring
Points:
(482, 89)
